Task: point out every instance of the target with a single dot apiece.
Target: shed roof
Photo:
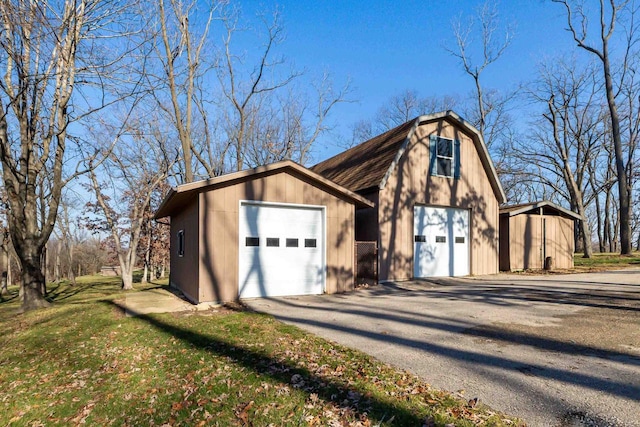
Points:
(369, 164)
(528, 207)
(178, 196)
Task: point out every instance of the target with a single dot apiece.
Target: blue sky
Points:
(385, 47)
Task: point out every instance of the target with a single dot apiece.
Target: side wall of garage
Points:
(410, 184)
(219, 240)
(184, 268)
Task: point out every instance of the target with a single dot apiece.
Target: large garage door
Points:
(441, 242)
(281, 250)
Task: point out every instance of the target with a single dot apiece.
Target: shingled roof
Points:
(177, 197)
(364, 166)
(368, 165)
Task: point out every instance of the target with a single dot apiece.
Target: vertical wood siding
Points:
(219, 214)
(410, 184)
(183, 271)
(529, 243)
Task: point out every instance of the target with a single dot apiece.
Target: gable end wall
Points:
(219, 216)
(410, 185)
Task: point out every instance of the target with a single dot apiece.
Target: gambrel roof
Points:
(367, 166)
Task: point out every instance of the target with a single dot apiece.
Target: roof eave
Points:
(160, 212)
(164, 210)
(544, 203)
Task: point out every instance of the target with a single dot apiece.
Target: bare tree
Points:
(569, 136)
(489, 43)
(135, 170)
(48, 50)
(408, 105)
(399, 109)
(66, 234)
(245, 93)
(610, 14)
(180, 46)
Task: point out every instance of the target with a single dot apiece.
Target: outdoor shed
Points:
(436, 195)
(529, 233)
(278, 229)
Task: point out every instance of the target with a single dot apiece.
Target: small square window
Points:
(273, 242)
(292, 243)
(420, 238)
(181, 243)
(459, 239)
(441, 239)
(252, 241)
(309, 243)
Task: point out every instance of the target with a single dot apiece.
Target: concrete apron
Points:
(159, 301)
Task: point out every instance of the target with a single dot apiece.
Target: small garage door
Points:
(441, 241)
(281, 250)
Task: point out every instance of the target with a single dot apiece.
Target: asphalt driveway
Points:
(557, 350)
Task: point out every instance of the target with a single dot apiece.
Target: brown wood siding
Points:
(219, 231)
(560, 241)
(184, 269)
(525, 243)
(410, 184)
(529, 243)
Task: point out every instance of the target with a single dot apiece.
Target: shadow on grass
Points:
(87, 288)
(10, 296)
(262, 363)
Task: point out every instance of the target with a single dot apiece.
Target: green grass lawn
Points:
(606, 261)
(83, 362)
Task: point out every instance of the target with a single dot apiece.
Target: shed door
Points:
(281, 250)
(441, 242)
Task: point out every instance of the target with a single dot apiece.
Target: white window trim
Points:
(452, 158)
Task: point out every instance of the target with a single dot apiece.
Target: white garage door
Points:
(281, 250)
(441, 242)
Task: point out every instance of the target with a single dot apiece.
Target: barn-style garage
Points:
(276, 230)
(534, 232)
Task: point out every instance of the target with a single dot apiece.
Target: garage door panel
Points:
(441, 241)
(290, 268)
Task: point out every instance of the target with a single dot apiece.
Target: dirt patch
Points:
(221, 310)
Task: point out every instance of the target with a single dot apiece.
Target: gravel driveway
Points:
(554, 350)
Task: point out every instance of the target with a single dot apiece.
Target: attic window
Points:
(444, 157)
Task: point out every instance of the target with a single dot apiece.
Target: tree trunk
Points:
(43, 269)
(624, 192)
(127, 280)
(599, 225)
(127, 264)
(586, 236)
(145, 272)
(72, 276)
(32, 280)
(4, 265)
(56, 265)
